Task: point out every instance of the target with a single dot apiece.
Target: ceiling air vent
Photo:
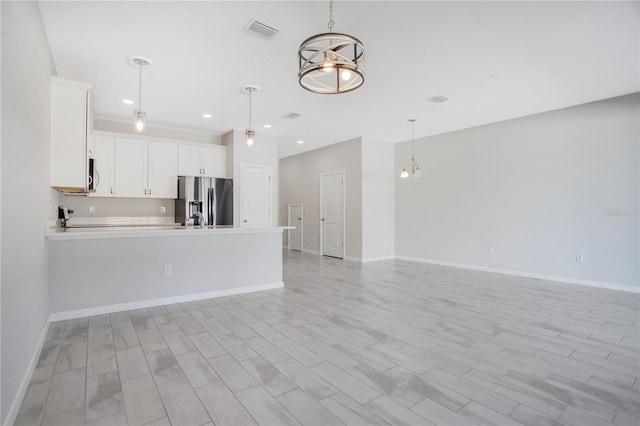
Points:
(292, 115)
(438, 99)
(261, 29)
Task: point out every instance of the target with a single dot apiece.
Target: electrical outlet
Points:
(92, 209)
(163, 209)
(579, 258)
(168, 270)
(491, 250)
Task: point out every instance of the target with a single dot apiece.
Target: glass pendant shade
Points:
(404, 173)
(140, 117)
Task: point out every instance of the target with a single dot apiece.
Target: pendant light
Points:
(249, 132)
(414, 167)
(331, 63)
(139, 115)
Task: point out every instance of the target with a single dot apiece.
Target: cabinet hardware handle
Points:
(204, 171)
(149, 191)
(111, 190)
(145, 191)
(245, 221)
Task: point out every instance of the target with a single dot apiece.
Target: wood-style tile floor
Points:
(390, 342)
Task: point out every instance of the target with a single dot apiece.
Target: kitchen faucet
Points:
(200, 217)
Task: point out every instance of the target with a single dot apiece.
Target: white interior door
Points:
(295, 219)
(332, 214)
(256, 196)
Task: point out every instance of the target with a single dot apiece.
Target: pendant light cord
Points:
(140, 86)
(331, 23)
(250, 102)
(413, 122)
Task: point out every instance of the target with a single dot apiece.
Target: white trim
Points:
(98, 310)
(301, 225)
(24, 385)
(344, 212)
(309, 251)
(352, 259)
(568, 280)
(375, 259)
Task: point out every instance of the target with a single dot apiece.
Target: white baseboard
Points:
(375, 259)
(568, 280)
(352, 259)
(10, 419)
(310, 251)
(107, 309)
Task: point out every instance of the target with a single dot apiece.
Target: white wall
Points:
(377, 200)
(539, 189)
(264, 152)
(26, 66)
(300, 183)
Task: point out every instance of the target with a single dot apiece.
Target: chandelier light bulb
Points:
(249, 141)
(346, 75)
(416, 171)
(140, 125)
(404, 174)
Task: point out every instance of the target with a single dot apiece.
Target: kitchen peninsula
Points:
(99, 270)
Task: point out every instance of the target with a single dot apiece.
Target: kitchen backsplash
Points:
(118, 207)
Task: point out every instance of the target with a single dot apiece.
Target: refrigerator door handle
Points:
(215, 202)
(210, 199)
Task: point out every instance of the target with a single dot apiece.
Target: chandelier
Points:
(414, 167)
(331, 63)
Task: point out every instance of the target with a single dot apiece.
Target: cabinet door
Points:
(189, 160)
(68, 137)
(163, 170)
(131, 168)
(104, 153)
(214, 161)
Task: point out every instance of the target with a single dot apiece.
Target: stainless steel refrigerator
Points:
(204, 201)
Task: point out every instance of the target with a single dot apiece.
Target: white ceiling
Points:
(547, 55)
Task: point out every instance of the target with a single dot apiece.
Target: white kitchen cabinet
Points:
(70, 125)
(162, 170)
(214, 161)
(145, 169)
(194, 160)
(104, 155)
(131, 168)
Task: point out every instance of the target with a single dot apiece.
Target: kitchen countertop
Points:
(138, 231)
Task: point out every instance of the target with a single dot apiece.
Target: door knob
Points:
(299, 218)
(322, 219)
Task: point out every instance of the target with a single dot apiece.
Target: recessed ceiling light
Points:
(127, 101)
(495, 76)
(300, 142)
(267, 126)
(438, 99)
(207, 115)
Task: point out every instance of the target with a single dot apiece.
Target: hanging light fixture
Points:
(331, 63)
(249, 132)
(414, 167)
(139, 115)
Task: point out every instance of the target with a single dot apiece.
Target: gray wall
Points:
(118, 207)
(300, 183)
(377, 200)
(26, 67)
(539, 189)
(156, 132)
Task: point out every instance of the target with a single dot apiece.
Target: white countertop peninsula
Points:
(107, 269)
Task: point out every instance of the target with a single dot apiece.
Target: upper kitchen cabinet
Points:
(145, 169)
(198, 160)
(104, 155)
(70, 126)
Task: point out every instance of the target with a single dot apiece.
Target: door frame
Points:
(301, 225)
(241, 194)
(344, 212)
